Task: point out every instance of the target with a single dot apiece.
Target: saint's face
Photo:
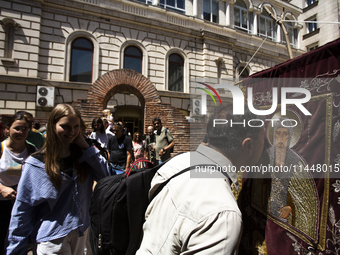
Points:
(282, 137)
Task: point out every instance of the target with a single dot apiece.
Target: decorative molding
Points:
(95, 2)
(9, 21)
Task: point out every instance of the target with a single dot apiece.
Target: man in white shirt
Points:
(196, 212)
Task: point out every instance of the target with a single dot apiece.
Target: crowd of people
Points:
(46, 183)
(46, 178)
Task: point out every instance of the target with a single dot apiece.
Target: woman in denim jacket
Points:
(54, 192)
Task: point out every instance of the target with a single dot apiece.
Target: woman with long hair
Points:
(14, 150)
(138, 148)
(54, 192)
(99, 132)
(2, 133)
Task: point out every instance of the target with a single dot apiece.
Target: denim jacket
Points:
(46, 212)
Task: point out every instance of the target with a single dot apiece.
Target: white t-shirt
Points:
(11, 167)
(109, 133)
(102, 138)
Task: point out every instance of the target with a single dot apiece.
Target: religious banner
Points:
(291, 205)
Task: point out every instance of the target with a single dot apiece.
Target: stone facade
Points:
(324, 12)
(212, 52)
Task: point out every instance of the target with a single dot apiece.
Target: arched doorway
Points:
(127, 108)
(132, 82)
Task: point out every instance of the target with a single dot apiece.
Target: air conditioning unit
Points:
(45, 96)
(196, 106)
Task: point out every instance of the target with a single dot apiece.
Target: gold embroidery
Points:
(302, 190)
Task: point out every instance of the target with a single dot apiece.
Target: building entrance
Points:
(126, 107)
(131, 116)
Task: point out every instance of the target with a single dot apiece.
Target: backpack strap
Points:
(30, 148)
(166, 137)
(175, 175)
(136, 162)
(165, 131)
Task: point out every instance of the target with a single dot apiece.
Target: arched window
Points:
(81, 60)
(176, 67)
(242, 18)
(133, 59)
(266, 26)
(210, 10)
(292, 34)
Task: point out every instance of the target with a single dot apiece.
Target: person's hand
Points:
(80, 141)
(8, 193)
(285, 211)
(161, 152)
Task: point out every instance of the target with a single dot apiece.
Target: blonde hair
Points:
(107, 113)
(53, 146)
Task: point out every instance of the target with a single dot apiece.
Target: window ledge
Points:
(8, 61)
(246, 31)
(306, 9)
(176, 94)
(316, 31)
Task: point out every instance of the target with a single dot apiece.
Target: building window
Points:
(176, 67)
(266, 26)
(242, 73)
(175, 5)
(292, 34)
(311, 26)
(81, 60)
(310, 2)
(312, 47)
(242, 18)
(133, 59)
(145, 1)
(210, 10)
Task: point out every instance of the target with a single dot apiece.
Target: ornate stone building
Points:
(320, 22)
(80, 52)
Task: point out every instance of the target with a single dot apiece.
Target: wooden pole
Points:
(280, 23)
